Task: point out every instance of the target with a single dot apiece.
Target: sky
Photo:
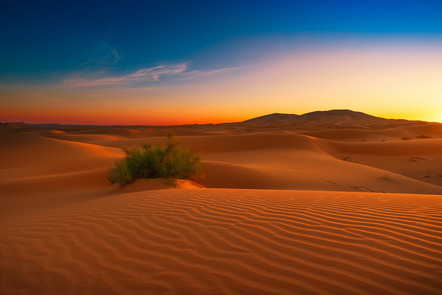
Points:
(185, 62)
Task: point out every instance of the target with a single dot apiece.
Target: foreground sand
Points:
(227, 241)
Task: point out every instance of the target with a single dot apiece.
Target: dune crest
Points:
(156, 184)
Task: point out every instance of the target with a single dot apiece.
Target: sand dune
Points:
(216, 241)
(420, 159)
(402, 147)
(260, 159)
(322, 210)
(17, 149)
(35, 170)
(361, 134)
(281, 160)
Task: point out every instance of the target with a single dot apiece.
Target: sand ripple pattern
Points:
(215, 241)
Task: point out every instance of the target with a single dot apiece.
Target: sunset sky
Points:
(176, 62)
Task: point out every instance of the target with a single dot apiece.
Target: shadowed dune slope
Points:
(215, 241)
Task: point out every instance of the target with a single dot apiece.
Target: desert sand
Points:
(308, 207)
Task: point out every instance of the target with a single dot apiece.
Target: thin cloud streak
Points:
(201, 73)
(152, 74)
(142, 75)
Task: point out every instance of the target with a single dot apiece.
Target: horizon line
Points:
(201, 124)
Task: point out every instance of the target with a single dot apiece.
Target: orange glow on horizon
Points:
(118, 118)
(390, 81)
(111, 118)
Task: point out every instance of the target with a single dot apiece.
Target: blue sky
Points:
(97, 43)
(40, 37)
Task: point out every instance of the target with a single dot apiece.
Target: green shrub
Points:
(169, 161)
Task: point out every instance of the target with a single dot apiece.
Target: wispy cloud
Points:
(142, 75)
(139, 77)
(195, 74)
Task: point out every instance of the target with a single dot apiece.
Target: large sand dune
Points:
(287, 210)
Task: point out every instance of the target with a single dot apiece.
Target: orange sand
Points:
(285, 211)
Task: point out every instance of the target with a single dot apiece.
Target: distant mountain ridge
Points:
(332, 117)
(274, 118)
(339, 118)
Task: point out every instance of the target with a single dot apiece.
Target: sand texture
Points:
(305, 208)
(223, 241)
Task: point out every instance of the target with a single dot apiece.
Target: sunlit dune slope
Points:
(34, 167)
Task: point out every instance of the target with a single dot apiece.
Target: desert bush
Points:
(169, 161)
(406, 138)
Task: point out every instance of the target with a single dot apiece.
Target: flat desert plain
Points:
(285, 209)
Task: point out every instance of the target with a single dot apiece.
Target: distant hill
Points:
(343, 118)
